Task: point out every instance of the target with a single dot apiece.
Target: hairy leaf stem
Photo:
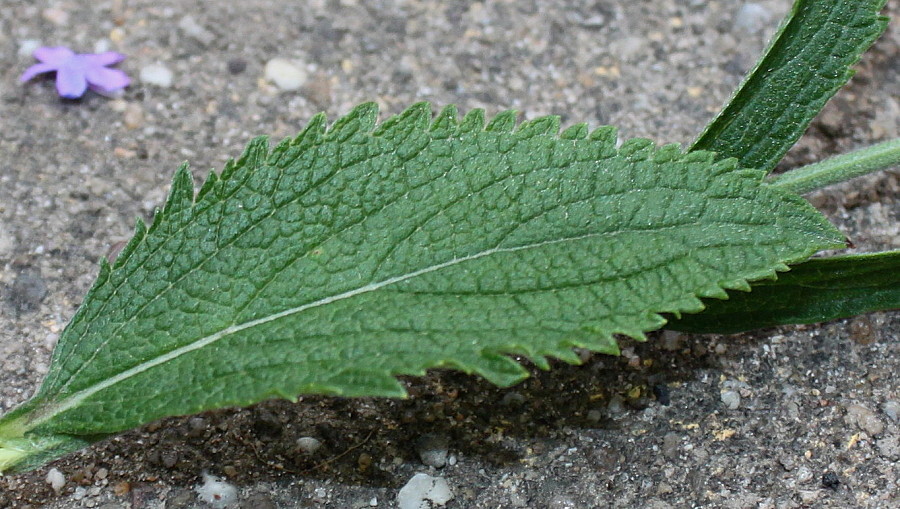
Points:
(840, 168)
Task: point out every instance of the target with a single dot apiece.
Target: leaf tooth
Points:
(228, 170)
(700, 157)
(472, 122)
(637, 149)
(103, 274)
(445, 124)
(313, 133)
(667, 153)
(598, 341)
(181, 195)
(415, 118)
(276, 154)
(209, 190)
(575, 132)
(504, 122)
(358, 382)
(738, 284)
(538, 358)
(605, 134)
(566, 355)
(541, 126)
(140, 232)
(255, 154)
(361, 119)
(724, 166)
(497, 368)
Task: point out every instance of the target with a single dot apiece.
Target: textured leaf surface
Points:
(344, 257)
(808, 60)
(815, 291)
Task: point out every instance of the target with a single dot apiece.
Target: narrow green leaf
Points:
(808, 60)
(347, 256)
(815, 291)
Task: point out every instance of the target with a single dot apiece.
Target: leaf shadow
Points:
(372, 441)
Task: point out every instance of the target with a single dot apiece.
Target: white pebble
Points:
(285, 74)
(216, 493)
(56, 480)
(424, 491)
(196, 30)
(308, 445)
(731, 399)
(157, 74)
(27, 47)
(752, 18)
(102, 45)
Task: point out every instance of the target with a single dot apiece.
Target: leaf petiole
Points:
(840, 168)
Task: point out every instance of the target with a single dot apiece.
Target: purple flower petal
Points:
(106, 80)
(70, 82)
(36, 69)
(76, 72)
(102, 59)
(54, 56)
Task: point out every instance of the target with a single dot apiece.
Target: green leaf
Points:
(808, 60)
(818, 290)
(345, 257)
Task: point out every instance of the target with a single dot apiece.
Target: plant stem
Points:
(840, 168)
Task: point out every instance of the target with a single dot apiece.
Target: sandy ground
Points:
(793, 417)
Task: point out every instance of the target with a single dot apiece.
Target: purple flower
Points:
(76, 72)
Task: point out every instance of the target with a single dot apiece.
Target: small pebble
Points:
(285, 74)
(432, 450)
(891, 409)
(752, 18)
(133, 116)
(309, 445)
(56, 480)
(562, 502)
(217, 493)
(804, 474)
(424, 490)
(156, 74)
(731, 399)
(512, 398)
(56, 16)
(671, 445)
(237, 65)
(196, 31)
(889, 447)
(615, 405)
(830, 480)
(27, 47)
(864, 418)
(808, 497)
(102, 45)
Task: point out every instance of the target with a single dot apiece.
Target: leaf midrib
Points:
(77, 398)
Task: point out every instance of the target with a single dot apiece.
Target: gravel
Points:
(74, 175)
